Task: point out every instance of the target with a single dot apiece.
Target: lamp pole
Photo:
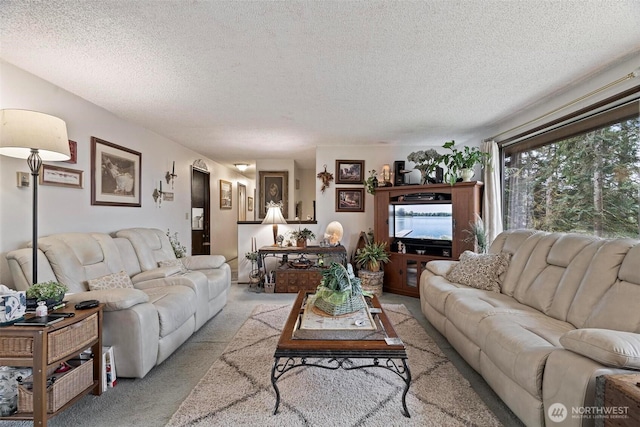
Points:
(35, 163)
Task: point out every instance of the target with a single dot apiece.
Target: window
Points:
(581, 177)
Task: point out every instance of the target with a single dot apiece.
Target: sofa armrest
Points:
(440, 267)
(203, 262)
(617, 349)
(156, 273)
(113, 299)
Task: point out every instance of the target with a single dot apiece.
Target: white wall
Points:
(67, 209)
(576, 91)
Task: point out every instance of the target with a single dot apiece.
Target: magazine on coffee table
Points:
(315, 319)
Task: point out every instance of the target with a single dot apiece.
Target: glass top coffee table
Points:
(331, 342)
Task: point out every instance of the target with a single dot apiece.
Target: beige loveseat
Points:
(147, 322)
(568, 311)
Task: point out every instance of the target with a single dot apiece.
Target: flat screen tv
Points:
(422, 222)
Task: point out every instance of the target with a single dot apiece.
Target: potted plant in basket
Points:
(301, 236)
(369, 259)
(339, 291)
(461, 163)
(51, 292)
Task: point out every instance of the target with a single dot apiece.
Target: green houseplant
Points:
(371, 183)
(301, 236)
(372, 255)
(426, 161)
(369, 259)
(51, 292)
(460, 163)
(339, 291)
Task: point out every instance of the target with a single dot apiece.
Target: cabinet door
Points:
(393, 277)
(414, 268)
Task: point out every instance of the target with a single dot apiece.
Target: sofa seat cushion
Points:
(466, 308)
(175, 305)
(437, 289)
(519, 344)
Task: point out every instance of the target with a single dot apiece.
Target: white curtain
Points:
(492, 199)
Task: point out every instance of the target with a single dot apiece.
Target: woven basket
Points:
(371, 281)
(67, 386)
(72, 339)
(353, 303)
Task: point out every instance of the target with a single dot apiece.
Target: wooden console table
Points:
(288, 279)
(44, 348)
(619, 397)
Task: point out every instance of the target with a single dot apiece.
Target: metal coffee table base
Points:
(390, 364)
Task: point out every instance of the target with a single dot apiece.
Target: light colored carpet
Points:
(237, 388)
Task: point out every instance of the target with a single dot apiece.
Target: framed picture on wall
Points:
(225, 194)
(274, 187)
(250, 204)
(349, 199)
(115, 174)
(61, 177)
(350, 171)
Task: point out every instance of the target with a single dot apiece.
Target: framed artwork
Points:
(350, 171)
(274, 187)
(73, 149)
(116, 173)
(349, 199)
(225, 194)
(62, 177)
(250, 204)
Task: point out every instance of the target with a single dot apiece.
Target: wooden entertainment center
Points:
(402, 274)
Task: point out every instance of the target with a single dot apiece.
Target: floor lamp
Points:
(274, 216)
(36, 137)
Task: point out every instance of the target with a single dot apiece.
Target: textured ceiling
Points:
(239, 81)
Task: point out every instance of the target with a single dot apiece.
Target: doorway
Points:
(242, 202)
(200, 212)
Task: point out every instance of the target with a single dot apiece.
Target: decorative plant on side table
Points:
(461, 163)
(301, 236)
(426, 161)
(369, 259)
(339, 291)
(51, 292)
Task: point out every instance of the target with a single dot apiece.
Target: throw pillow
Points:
(173, 263)
(479, 271)
(111, 281)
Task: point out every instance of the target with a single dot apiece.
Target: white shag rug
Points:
(237, 390)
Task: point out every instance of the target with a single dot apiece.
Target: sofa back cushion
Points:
(150, 244)
(128, 256)
(608, 296)
(77, 257)
(546, 269)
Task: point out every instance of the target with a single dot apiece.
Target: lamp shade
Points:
(274, 215)
(23, 130)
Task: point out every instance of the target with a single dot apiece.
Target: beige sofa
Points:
(568, 311)
(146, 323)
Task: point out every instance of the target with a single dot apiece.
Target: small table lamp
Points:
(274, 216)
(36, 137)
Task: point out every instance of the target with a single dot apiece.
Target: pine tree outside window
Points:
(582, 177)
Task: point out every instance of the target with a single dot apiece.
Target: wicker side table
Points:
(43, 348)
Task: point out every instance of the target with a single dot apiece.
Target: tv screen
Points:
(433, 221)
